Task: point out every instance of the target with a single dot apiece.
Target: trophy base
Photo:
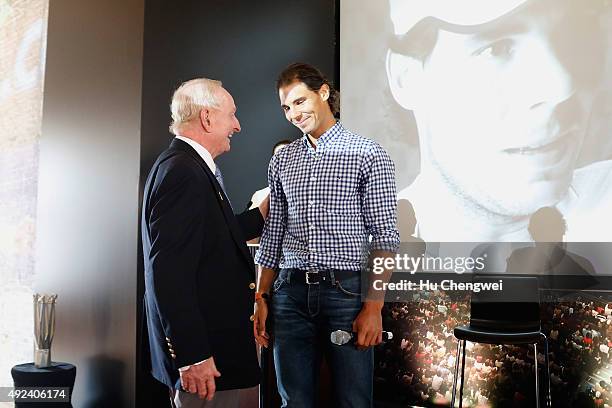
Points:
(42, 358)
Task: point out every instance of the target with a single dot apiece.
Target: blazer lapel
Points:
(228, 213)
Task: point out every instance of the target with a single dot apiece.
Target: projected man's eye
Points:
(499, 49)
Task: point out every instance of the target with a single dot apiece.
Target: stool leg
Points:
(462, 375)
(537, 385)
(456, 373)
(548, 390)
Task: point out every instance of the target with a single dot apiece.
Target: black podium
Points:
(59, 375)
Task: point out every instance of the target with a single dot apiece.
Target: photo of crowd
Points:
(417, 366)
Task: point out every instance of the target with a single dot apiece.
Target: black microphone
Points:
(341, 337)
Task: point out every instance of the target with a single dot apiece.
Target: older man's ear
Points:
(205, 120)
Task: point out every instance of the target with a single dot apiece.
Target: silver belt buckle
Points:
(308, 282)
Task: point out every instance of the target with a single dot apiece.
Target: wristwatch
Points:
(261, 295)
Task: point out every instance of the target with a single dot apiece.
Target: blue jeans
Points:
(303, 317)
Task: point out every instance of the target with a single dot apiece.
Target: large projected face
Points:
(500, 108)
(508, 99)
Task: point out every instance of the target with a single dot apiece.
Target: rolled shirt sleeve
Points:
(379, 201)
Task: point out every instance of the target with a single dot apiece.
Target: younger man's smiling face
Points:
(306, 109)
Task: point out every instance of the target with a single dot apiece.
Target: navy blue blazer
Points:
(199, 274)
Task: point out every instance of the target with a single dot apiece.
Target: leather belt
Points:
(316, 277)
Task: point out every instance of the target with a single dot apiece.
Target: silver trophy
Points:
(44, 328)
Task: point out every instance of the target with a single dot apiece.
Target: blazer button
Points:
(168, 340)
(252, 285)
(173, 355)
(171, 351)
(252, 318)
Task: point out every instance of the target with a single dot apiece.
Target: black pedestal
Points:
(60, 375)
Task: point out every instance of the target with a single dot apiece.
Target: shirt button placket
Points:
(311, 211)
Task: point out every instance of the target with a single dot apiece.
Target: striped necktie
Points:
(219, 178)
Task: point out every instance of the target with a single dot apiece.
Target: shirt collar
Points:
(201, 150)
(326, 137)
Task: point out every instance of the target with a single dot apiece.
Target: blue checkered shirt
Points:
(329, 204)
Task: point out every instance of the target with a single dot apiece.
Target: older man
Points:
(199, 275)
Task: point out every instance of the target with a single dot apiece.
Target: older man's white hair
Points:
(190, 98)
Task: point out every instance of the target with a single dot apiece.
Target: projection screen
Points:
(489, 109)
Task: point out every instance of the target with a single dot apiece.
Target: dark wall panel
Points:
(245, 44)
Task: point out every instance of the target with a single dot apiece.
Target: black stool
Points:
(508, 316)
(59, 375)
